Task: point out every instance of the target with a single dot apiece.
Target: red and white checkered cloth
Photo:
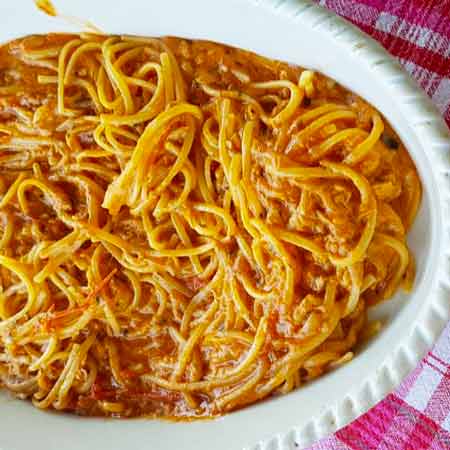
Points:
(417, 415)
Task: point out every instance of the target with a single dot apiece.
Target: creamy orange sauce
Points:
(193, 293)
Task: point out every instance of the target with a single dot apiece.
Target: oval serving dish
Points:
(299, 32)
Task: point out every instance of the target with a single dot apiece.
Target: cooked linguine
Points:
(187, 228)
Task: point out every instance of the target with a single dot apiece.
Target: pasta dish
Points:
(187, 228)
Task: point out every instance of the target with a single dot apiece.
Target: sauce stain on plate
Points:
(46, 6)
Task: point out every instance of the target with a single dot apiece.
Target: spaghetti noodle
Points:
(187, 228)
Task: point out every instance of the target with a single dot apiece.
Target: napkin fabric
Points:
(417, 415)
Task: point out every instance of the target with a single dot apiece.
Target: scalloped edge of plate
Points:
(430, 128)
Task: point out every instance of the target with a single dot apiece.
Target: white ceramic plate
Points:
(302, 33)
